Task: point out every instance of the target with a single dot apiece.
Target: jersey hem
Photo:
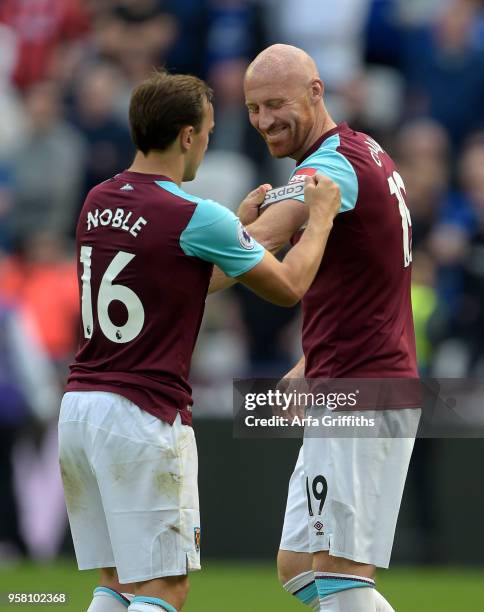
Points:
(166, 414)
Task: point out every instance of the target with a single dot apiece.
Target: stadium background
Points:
(411, 73)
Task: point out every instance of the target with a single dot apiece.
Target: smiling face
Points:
(283, 108)
(284, 97)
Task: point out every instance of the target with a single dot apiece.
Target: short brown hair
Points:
(162, 105)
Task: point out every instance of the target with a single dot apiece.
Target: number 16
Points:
(397, 188)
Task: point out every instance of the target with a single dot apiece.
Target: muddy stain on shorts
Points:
(73, 484)
(119, 471)
(168, 484)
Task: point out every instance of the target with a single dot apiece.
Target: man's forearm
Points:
(260, 232)
(303, 260)
(275, 227)
(272, 230)
(220, 281)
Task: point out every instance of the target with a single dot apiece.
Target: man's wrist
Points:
(322, 226)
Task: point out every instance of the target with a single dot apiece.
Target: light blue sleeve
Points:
(335, 165)
(215, 234)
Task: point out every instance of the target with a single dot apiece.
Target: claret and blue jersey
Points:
(146, 251)
(357, 316)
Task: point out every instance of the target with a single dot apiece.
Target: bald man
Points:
(345, 493)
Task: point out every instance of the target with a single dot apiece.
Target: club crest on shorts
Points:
(245, 239)
(196, 537)
(318, 525)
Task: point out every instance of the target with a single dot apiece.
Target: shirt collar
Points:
(142, 177)
(341, 127)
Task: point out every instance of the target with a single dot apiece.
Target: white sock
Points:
(303, 587)
(150, 604)
(108, 600)
(351, 600)
(382, 604)
(345, 592)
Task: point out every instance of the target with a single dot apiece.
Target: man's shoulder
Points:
(205, 207)
(102, 185)
(161, 202)
(122, 190)
(354, 160)
(173, 189)
(363, 152)
(206, 212)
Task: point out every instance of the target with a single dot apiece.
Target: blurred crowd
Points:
(409, 72)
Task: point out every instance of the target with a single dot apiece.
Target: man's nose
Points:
(266, 119)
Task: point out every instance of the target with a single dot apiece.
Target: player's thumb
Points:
(258, 195)
(309, 183)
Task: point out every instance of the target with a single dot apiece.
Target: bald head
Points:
(283, 62)
(284, 97)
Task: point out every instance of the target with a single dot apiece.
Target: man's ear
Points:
(317, 90)
(186, 137)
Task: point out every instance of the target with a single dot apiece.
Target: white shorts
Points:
(130, 484)
(345, 495)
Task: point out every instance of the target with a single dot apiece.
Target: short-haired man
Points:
(145, 251)
(357, 323)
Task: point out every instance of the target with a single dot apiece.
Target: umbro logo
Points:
(127, 187)
(319, 528)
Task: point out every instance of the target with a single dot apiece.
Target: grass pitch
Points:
(253, 587)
